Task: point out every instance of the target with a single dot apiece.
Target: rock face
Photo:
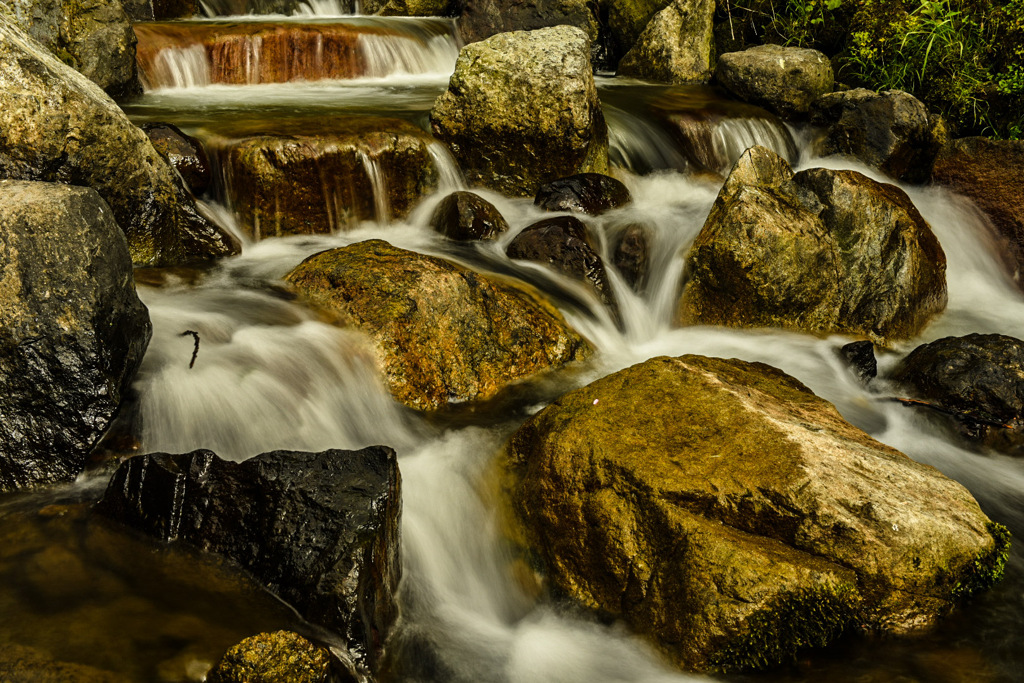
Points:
(376, 169)
(722, 508)
(889, 130)
(92, 36)
(590, 193)
(977, 380)
(444, 334)
(467, 216)
(60, 127)
(411, 8)
(521, 110)
(785, 80)
(278, 656)
(626, 20)
(990, 173)
(321, 530)
(631, 255)
(481, 19)
(72, 329)
(183, 152)
(822, 251)
(676, 45)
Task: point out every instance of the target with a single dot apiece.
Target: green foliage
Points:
(985, 570)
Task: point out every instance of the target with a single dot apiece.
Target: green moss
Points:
(986, 569)
(808, 618)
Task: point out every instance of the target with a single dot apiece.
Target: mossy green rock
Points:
(821, 251)
(444, 334)
(723, 509)
(784, 79)
(60, 127)
(273, 658)
(675, 47)
(522, 109)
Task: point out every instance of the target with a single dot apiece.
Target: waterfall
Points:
(379, 183)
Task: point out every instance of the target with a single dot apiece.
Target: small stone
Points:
(467, 216)
(861, 357)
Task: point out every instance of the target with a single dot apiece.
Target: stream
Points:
(271, 375)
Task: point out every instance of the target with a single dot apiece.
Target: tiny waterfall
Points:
(381, 203)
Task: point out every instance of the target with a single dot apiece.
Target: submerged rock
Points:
(889, 130)
(72, 329)
(676, 45)
(272, 657)
(786, 80)
(481, 19)
(977, 384)
(321, 530)
(821, 251)
(468, 216)
(522, 110)
(183, 152)
(590, 193)
(444, 334)
(723, 509)
(60, 127)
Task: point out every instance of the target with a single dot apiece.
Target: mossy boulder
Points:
(481, 19)
(675, 46)
(785, 80)
(60, 127)
(522, 109)
(444, 334)
(626, 21)
(724, 510)
(272, 658)
(821, 251)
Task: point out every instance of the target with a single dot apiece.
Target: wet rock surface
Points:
(444, 334)
(522, 109)
(860, 355)
(676, 45)
(631, 255)
(21, 664)
(589, 193)
(738, 517)
(481, 19)
(72, 329)
(820, 251)
(60, 127)
(183, 152)
(977, 384)
(467, 216)
(270, 657)
(785, 80)
(321, 530)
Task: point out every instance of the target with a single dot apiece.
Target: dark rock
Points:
(861, 357)
(889, 130)
(72, 329)
(272, 658)
(563, 243)
(977, 381)
(481, 19)
(631, 256)
(786, 80)
(183, 152)
(411, 8)
(467, 216)
(60, 127)
(590, 193)
(991, 174)
(321, 530)
(675, 46)
(20, 664)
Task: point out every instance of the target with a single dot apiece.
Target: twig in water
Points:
(195, 351)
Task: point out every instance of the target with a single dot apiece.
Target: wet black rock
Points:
(321, 530)
(861, 357)
(975, 382)
(467, 216)
(590, 193)
(183, 152)
(631, 256)
(563, 243)
(72, 329)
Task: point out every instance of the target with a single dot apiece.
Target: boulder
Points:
(785, 80)
(860, 355)
(724, 510)
(270, 657)
(60, 127)
(467, 216)
(92, 36)
(481, 19)
(975, 382)
(631, 255)
(821, 251)
(72, 329)
(443, 334)
(564, 244)
(370, 169)
(625, 21)
(889, 130)
(990, 173)
(675, 47)
(522, 109)
(411, 8)
(321, 530)
(183, 152)
(590, 193)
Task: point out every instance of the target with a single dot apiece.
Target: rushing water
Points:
(270, 375)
